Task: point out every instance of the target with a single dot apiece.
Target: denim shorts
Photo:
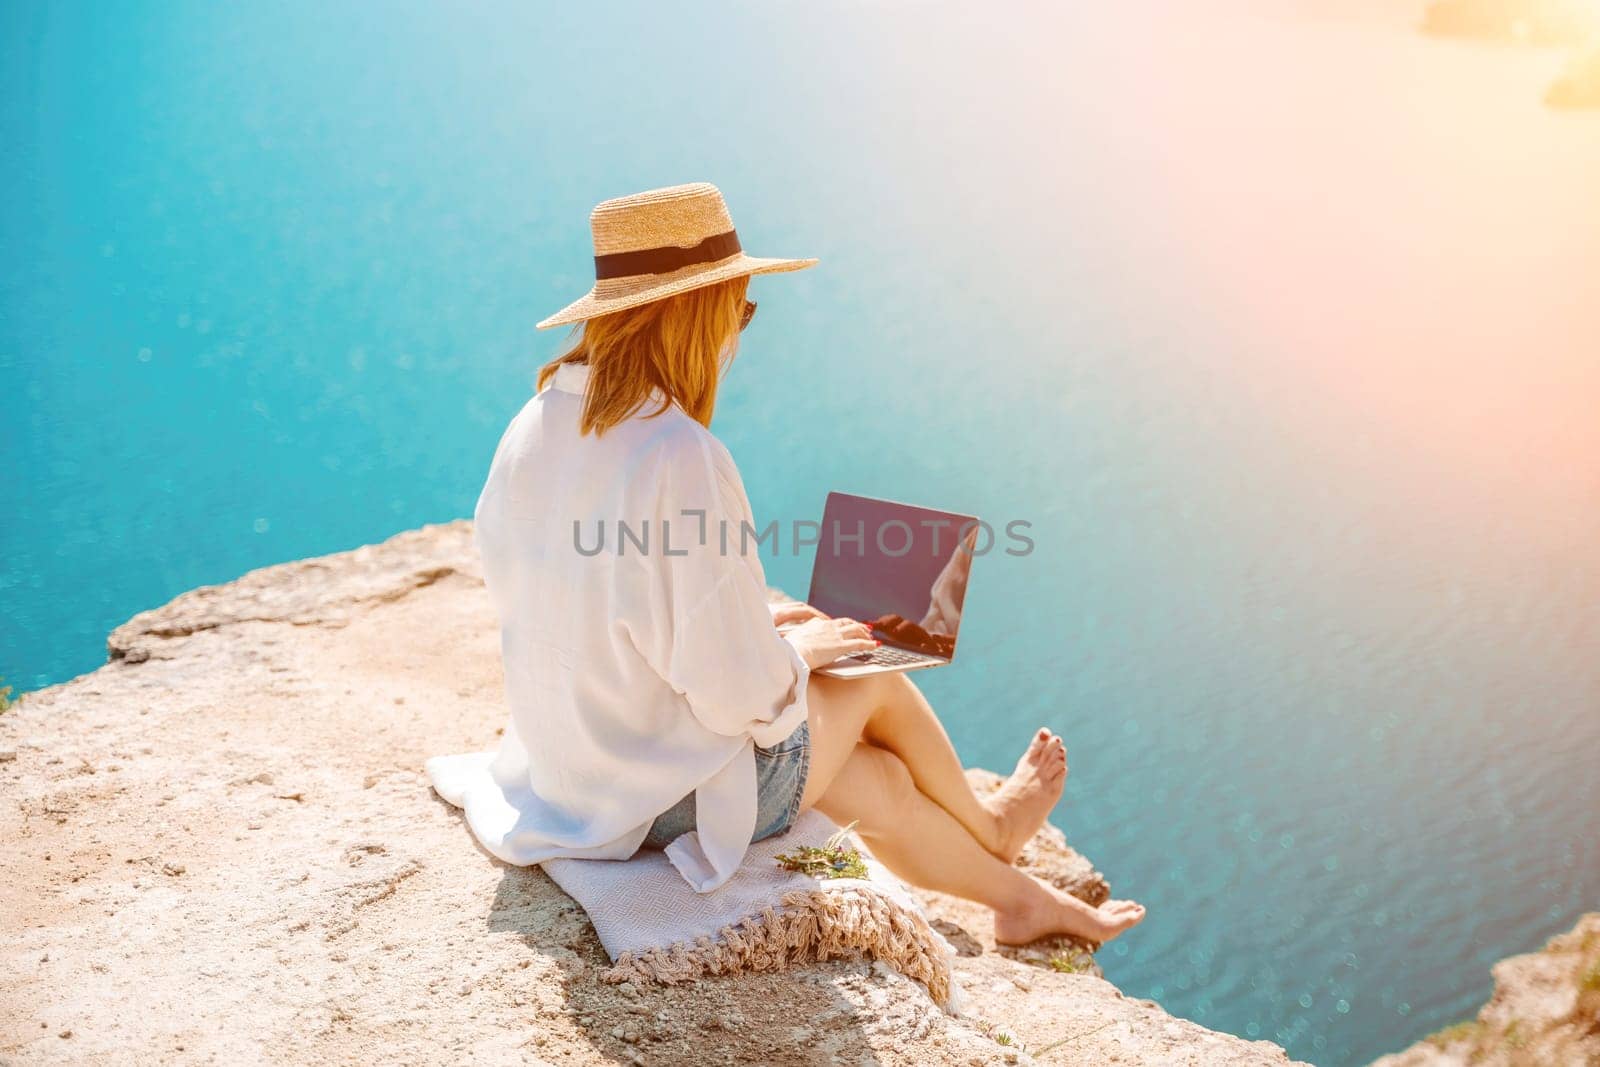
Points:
(780, 779)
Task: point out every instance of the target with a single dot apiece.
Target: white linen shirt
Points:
(635, 674)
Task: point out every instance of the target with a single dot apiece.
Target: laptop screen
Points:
(900, 569)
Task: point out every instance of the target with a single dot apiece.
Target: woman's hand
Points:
(821, 641)
(794, 611)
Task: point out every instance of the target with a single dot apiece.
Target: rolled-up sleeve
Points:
(707, 629)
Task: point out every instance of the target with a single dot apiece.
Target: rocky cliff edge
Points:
(220, 847)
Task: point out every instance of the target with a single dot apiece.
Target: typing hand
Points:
(821, 641)
(794, 611)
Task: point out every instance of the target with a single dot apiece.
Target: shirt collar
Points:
(574, 378)
(571, 378)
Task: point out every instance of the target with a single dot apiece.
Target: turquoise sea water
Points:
(1282, 330)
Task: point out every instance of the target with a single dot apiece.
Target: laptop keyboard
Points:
(887, 656)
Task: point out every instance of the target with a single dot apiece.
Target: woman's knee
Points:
(899, 685)
(842, 705)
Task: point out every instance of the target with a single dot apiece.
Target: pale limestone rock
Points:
(267, 875)
(1545, 1010)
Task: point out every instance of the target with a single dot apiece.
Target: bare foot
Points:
(1021, 805)
(1052, 913)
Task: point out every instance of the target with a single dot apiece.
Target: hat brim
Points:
(624, 293)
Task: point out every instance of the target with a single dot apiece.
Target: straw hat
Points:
(660, 243)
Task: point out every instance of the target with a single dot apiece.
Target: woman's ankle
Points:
(1022, 898)
(987, 829)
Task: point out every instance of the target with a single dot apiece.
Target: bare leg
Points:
(889, 711)
(923, 843)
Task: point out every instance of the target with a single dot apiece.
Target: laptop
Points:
(900, 569)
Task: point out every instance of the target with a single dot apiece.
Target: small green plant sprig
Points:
(832, 860)
(5, 695)
(1070, 963)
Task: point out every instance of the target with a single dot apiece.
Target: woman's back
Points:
(624, 689)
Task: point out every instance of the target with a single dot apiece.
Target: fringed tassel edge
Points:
(811, 926)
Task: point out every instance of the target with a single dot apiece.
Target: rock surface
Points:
(1545, 1010)
(220, 847)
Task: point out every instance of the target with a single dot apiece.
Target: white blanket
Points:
(644, 903)
(655, 927)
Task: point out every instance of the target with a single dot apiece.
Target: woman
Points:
(653, 701)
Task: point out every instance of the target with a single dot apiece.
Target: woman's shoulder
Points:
(676, 439)
(690, 463)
